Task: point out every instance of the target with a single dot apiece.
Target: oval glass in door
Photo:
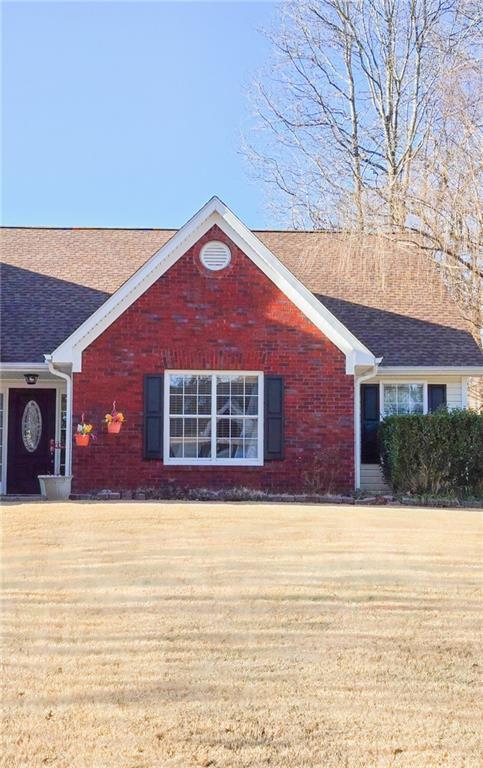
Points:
(31, 426)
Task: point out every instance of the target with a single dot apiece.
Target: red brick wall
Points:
(235, 319)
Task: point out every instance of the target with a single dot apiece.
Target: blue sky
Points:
(128, 114)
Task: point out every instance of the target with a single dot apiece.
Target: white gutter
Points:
(358, 380)
(68, 417)
(432, 370)
(23, 367)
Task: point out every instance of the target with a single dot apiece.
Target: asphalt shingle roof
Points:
(391, 298)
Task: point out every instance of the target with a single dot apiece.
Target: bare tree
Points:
(443, 199)
(369, 121)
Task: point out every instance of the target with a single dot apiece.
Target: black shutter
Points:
(274, 419)
(370, 423)
(153, 416)
(436, 396)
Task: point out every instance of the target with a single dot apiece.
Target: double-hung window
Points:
(213, 418)
(403, 398)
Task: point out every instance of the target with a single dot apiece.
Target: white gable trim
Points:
(214, 212)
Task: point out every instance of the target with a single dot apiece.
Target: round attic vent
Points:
(215, 255)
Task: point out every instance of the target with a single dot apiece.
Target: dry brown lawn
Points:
(143, 635)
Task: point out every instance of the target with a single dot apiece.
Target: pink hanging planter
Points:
(114, 427)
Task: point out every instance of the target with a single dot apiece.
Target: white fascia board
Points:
(213, 212)
(27, 367)
(428, 370)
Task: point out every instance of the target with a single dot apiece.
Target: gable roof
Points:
(392, 300)
(214, 212)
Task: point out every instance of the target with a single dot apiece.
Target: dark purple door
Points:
(31, 428)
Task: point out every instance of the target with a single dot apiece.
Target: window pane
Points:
(204, 404)
(251, 385)
(251, 449)
(175, 449)
(176, 427)
(176, 385)
(176, 404)
(390, 394)
(237, 385)
(190, 428)
(251, 428)
(403, 399)
(237, 427)
(237, 405)
(222, 449)
(191, 385)
(204, 450)
(416, 394)
(223, 404)
(204, 385)
(223, 428)
(251, 405)
(189, 404)
(190, 449)
(222, 385)
(204, 428)
(237, 450)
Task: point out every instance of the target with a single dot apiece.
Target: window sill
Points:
(213, 463)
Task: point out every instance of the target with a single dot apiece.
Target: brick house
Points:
(239, 358)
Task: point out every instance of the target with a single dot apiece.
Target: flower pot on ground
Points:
(114, 420)
(82, 440)
(55, 487)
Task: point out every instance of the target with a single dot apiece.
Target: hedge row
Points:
(435, 453)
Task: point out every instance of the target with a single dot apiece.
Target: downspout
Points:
(68, 416)
(358, 380)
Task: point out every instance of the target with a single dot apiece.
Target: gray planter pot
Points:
(55, 487)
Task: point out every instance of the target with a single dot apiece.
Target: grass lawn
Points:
(157, 635)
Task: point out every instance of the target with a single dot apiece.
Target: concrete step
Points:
(372, 479)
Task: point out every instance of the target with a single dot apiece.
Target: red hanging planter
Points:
(82, 440)
(84, 433)
(114, 420)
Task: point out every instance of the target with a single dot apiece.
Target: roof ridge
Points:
(93, 229)
(163, 229)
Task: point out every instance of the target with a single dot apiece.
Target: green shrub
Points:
(436, 453)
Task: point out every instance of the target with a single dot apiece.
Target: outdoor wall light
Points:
(31, 378)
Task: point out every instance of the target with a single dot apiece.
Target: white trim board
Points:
(427, 370)
(213, 212)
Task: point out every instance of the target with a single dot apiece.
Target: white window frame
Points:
(383, 384)
(213, 461)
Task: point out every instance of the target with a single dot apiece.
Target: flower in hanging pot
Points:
(114, 420)
(84, 433)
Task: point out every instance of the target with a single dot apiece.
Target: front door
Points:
(31, 428)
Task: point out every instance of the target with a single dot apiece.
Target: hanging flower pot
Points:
(84, 433)
(114, 420)
(82, 440)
